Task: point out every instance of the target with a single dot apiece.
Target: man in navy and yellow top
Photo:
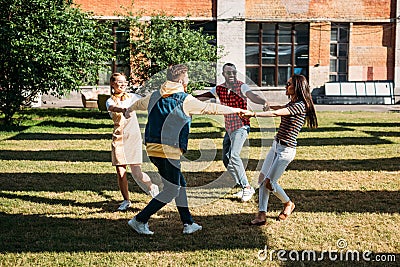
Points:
(166, 139)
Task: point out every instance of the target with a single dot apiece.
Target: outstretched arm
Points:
(272, 113)
(255, 98)
(141, 104)
(192, 106)
(205, 96)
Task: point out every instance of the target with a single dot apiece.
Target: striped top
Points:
(291, 125)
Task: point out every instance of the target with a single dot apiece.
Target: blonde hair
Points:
(114, 95)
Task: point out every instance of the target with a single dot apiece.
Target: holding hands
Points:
(127, 113)
(247, 113)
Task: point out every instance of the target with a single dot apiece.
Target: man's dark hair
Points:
(228, 65)
(175, 72)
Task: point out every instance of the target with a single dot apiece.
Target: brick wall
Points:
(319, 9)
(371, 52)
(320, 37)
(180, 8)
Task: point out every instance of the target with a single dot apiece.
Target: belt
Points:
(281, 142)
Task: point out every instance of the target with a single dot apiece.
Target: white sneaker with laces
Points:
(154, 191)
(140, 228)
(238, 194)
(124, 205)
(248, 194)
(191, 228)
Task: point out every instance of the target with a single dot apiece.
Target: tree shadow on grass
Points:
(61, 136)
(40, 233)
(373, 164)
(65, 182)
(369, 124)
(105, 206)
(72, 113)
(74, 124)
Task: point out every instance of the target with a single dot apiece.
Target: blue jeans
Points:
(275, 164)
(231, 147)
(174, 188)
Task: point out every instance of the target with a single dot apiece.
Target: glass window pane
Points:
(332, 78)
(252, 54)
(104, 75)
(252, 30)
(334, 50)
(268, 32)
(285, 33)
(283, 75)
(252, 76)
(285, 54)
(268, 76)
(343, 78)
(343, 50)
(301, 70)
(302, 34)
(268, 54)
(334, 34)
(343, 34)
(332, 66)
(342, 65)
(301, 55)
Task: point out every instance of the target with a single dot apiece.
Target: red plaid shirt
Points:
(233, 98)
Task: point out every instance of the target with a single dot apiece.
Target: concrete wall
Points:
(231, 28)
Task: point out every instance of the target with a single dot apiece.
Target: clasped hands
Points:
(246, 113)
(127, 113)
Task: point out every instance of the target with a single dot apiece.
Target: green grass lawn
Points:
(59, 195)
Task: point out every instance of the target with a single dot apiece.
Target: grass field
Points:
(59, 195)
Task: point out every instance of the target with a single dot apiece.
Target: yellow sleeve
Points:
(140, 104)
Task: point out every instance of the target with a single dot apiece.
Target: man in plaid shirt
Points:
(234, 93)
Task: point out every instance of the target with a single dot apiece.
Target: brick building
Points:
(348, 44)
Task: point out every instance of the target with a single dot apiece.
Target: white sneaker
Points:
(191, 228)
(248, 194)
(141, 228)
(124, 205)
(238, 194)
(154, 190)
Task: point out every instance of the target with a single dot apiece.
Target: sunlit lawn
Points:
(59, 195)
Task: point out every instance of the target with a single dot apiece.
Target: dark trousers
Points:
(174, 188)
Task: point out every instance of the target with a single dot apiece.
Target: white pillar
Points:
(231, 27)
(397, 54)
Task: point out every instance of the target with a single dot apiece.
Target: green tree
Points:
(161, 41)
(47, 46)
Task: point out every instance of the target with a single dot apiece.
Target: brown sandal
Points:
(284, 215)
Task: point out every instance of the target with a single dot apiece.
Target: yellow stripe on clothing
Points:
(163, 151)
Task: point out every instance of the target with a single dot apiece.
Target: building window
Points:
(275, 51)
(339, 48)
(208, 28)
(121, 50)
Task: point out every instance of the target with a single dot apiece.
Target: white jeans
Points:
(276, 162)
